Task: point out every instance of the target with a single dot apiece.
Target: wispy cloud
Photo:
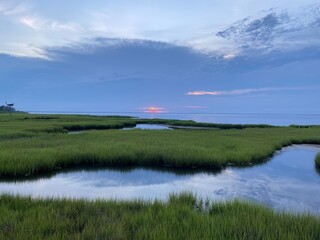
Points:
(12, 10)
(26, 15)
(50, 31)
(32, 22)
(276, 29)
(245, 91)
(40, 23)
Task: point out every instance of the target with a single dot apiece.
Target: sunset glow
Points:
(153, 110)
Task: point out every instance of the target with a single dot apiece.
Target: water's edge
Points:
(287, 182)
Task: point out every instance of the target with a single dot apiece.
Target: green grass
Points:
(182, 217)
(189, 123)
(32, 144)
(33, 124)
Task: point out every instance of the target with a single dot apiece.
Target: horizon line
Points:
(167, 113)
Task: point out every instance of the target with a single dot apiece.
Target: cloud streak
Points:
(39, 23)
(245, 91)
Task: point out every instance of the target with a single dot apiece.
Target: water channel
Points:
(289, 181)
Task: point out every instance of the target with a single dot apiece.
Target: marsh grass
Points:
(34, 144)
(189, 123)
(37, 124)
(182, 217)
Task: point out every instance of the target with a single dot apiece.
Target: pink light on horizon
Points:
(153, 109)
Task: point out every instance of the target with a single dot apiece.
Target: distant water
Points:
(230, 118)
(272, 119)
(149, 127)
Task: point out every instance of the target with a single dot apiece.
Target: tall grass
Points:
(181, 217)
(189, 123)
(179, 148)
(31, 144)
(22, 124)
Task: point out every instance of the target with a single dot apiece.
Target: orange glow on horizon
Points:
(153, 110)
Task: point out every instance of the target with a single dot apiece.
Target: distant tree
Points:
(4, 108)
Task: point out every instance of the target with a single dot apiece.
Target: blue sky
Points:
(179, 56)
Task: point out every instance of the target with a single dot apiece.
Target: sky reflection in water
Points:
(288, 182)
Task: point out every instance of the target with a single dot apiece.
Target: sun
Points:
(153, 110)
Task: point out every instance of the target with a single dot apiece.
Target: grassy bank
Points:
(178, 148)
(182, 217)
(31, 124)
(318, 161)
(186, 123)
(31, 144)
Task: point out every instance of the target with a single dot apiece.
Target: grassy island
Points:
(33, 144)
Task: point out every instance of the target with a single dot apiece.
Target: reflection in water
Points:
(149, 127)
(109, 168)
(138, 126)
(288, 182)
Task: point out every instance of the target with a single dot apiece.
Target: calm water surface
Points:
(288, 182)
(138, 126)
(232, 118)
(149, 127)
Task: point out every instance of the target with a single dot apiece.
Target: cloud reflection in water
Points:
(294, 186)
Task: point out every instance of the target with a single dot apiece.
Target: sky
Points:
(222, 56)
